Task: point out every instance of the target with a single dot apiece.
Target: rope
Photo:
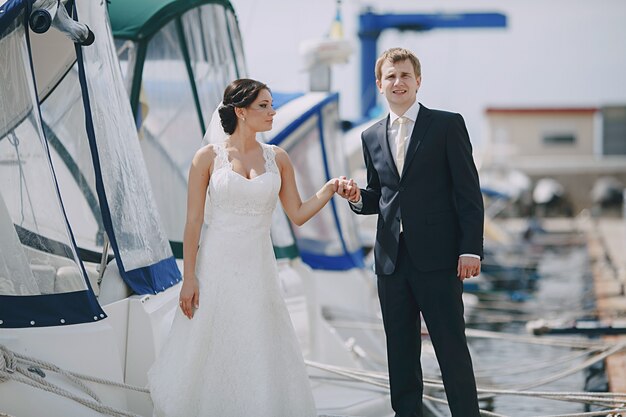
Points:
(591, 398)
(51, 367)
(14, 366)
(594, 413)
(524, 368)
(486, 334)
(552, 341)
(370, 378)
(11, 368)
(597, 358)
(618, 399)
(7, 361)
(380, 379)
(598, 350)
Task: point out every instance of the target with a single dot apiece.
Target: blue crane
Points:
(371, 25)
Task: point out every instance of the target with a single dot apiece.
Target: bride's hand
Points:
(331, 186)
(189, 296)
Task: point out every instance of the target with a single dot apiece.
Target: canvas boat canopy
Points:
(42, 280)
(177, 57)
(87, 131)
(141, 19)
(106, 167)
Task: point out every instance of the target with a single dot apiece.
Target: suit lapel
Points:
(384, 144)
(424, 117)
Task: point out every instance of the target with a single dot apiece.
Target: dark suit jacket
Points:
(438, 196)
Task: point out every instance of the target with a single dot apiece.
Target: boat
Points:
(86, 248)
(80, 290)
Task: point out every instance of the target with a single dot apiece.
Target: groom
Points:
(423, 184)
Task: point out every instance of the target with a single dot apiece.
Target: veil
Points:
(215, 133)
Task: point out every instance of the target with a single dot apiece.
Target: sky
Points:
(553, 53)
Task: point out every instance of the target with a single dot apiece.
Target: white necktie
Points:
(400, 143)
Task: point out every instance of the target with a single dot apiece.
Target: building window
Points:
(614, 130)
(559, 139)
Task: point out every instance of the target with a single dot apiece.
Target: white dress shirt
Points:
(392, 128)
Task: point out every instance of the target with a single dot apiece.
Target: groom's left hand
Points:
(467, 267)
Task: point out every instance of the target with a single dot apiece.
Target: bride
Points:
(232, 350)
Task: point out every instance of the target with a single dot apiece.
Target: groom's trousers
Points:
(437, 295)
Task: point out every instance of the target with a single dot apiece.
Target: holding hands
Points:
(348, 189)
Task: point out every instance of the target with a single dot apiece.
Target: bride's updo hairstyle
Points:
(240, 93)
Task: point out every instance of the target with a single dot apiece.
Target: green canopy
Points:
(140, 19)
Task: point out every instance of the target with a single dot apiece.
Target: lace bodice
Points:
(240, 203)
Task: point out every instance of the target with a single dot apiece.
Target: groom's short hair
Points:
(394, 55)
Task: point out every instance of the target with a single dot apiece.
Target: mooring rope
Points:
(380, 379)
(524, 368)
(16, 367)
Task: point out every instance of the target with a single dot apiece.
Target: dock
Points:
(607, 249)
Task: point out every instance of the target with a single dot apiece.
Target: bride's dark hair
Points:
(240, 93)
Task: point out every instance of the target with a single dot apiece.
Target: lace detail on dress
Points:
(222, 161)
(230, 191)
(249, 208)
(269, 153)
(221, 157)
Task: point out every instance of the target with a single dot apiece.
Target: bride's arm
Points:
(196, 194)
(298, 211)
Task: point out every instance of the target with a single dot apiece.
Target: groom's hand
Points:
(467, 267)
(348, 189)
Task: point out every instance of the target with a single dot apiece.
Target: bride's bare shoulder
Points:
(207, 151)
(281, 155)
(205, 156)
(282, 158)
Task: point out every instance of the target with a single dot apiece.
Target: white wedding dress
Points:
(239, 355)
